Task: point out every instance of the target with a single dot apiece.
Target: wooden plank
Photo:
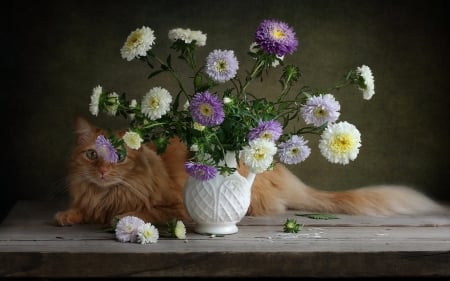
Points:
(32, 246)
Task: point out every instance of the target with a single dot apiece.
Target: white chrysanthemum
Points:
(147, 233)
(133, 104)
(138, 43)
(227, 100)
(133, 140)
(180, 230)
(112, 103)
(187, 36)
(95, 99)
(258, 155)
(369, 90)
(156, 103)
(340, 143)
(126, 228)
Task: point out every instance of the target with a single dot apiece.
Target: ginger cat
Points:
(150, 186)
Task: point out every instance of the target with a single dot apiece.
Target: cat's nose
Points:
(103, 170)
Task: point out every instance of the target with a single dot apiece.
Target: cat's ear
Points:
(84, 130)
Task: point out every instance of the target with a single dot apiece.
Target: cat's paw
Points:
(68, 217)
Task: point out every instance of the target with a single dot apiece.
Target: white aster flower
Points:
(258, 155)
(95, 99)
(227, 100)
(180, 230)
(187, 36)
(138, 43)
(112, 103)
(369, 86)
(156, 103)
(133, 140)
(340, 142)
(133, 104)
(147, 233)
(126, 228)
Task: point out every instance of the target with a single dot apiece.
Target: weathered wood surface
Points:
(32, 246)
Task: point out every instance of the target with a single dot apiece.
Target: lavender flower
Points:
(206, 109)
(320, 109)
(127, 228)
(276, 37)
(106, 150)
(269, 130)
(294, 150)
(200, 171)
(221, 66)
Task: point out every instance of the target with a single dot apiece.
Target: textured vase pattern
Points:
(219, 204)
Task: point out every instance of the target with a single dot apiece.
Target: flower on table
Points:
(291, 226)
(127, 228)
(176, 229)
(147, 233)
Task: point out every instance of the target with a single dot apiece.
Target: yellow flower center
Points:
(319, 112)
(259, 154)
(153, 102)
(266, 135)
(206, 110)
(221, 65)
(295, 151)
(341, 143)
(135, 39)
(278, 33)
(147, 233)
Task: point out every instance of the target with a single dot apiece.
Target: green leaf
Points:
(319, 216)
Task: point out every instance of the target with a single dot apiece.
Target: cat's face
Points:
(88, 166)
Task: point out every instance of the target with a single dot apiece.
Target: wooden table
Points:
(350, 246)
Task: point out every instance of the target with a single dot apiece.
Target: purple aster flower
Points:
(294, 150)
(106, 150)
(221, 66)
(269, 130)
(276, 37)
(206, 109)
(320, 109)
(127, 227)
(200, 171)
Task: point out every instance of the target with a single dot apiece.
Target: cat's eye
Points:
(121, 157)
(91, 154)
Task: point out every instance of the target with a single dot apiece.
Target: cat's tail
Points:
(379, 200)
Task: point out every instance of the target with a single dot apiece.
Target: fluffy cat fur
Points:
(150, 186)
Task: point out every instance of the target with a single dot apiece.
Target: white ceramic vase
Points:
(217, 205)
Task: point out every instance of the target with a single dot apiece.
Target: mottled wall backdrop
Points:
(55, 52)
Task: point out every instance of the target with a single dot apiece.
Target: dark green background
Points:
(55, 52)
